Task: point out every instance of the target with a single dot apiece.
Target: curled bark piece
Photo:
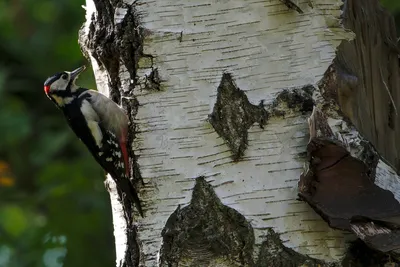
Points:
(377, 236)
(339, 187)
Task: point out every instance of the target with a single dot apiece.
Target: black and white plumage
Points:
(99, 122)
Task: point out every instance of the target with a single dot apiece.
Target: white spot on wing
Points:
(88, 111)
(96, 132)
(112, 142)
(92, 120)
(112, 116)
(109, 159)
(101, 154)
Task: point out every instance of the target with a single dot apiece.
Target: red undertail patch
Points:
(122, 143)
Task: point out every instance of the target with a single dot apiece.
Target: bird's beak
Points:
(75, 73)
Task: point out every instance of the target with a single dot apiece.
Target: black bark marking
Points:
(153, 81)
(360, 255)
(206, 230)
(233, 115)
(110, 44)
(370, 158)
(391, 116)
(297, 100)
(181, 36)
(340, 189)
(274, 253)
(292, 5)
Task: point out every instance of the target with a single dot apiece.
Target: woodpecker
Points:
(99, 123)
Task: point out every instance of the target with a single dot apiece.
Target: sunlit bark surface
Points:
(218, 93)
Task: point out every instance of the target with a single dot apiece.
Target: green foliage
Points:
(54, 210)
(13, 220)
(394, 7)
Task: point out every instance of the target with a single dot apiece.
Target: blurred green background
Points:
(54, 210)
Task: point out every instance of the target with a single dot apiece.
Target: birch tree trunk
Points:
(218, 94)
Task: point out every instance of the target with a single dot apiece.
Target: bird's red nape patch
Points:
(46, 89)
(122, 143)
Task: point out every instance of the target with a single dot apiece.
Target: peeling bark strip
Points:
(233, 115)
(364, 80)
(338, 187)
(206, 232)
(341, 189)
(378, 237)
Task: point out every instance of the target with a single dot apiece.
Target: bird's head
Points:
(61, 87)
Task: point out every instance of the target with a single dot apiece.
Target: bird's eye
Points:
(64, 76)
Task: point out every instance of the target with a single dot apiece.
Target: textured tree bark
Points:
(218, 94)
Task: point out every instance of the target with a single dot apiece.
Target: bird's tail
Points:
(129, 191)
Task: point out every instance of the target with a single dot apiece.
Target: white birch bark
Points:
(266, 48)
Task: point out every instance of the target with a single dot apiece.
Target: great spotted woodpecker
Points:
(99, 122)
